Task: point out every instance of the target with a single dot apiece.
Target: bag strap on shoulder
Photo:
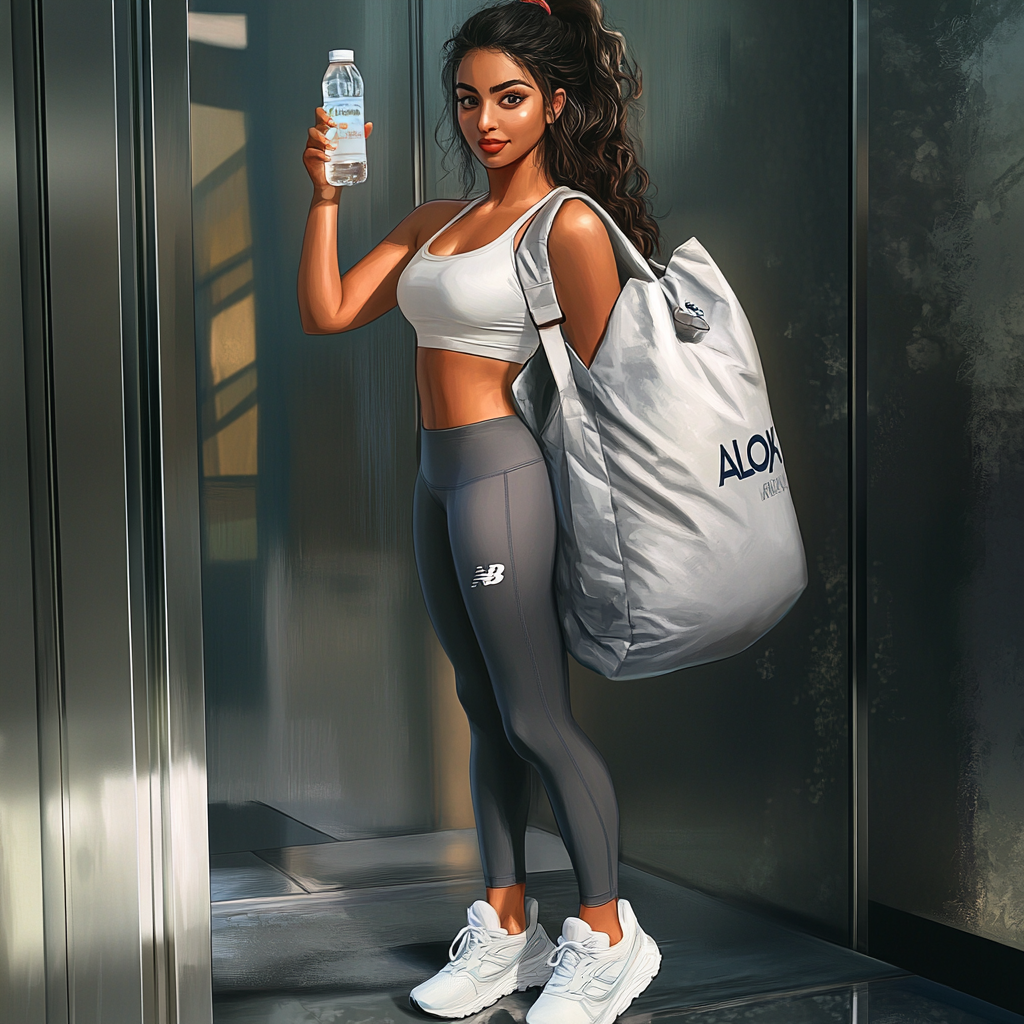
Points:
(533, 261)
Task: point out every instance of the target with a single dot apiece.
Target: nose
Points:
(486, 120)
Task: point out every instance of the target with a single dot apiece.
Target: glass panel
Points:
(946, 322)
(327, 695)
(734, 776)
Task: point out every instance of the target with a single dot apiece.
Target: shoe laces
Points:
(566, 957)
(467, 940)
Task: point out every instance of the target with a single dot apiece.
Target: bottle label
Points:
(348, 133)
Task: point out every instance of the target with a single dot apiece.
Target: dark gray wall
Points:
(946, 497)
(733, 777)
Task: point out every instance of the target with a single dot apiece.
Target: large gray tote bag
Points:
(678, 540)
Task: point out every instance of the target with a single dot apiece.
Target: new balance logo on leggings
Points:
(488, 576)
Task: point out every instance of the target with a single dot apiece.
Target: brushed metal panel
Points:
(104, 871)
(35, 317)
(22, 952)
(185, 879)
(120, 688)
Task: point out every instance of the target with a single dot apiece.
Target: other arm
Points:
(329, 302)
(585, 275)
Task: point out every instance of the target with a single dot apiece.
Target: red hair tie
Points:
(539, 3)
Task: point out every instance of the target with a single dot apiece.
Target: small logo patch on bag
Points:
(488, 575)
(773, 487)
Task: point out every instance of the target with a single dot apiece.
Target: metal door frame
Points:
(104, 206)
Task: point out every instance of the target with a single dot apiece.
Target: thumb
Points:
(368, 130)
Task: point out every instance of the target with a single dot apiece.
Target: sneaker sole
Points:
(648, 964)
(536, 977)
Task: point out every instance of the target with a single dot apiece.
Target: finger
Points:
(323, 118)
(316, 137)
(368, 130)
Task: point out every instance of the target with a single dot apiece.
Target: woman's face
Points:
(501, 108)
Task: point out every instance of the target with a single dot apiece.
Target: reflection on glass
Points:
(326, 697)
(226, 321)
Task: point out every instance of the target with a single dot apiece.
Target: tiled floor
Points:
(340, 931)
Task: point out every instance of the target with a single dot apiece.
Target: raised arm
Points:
(329, 302)
(585, 275)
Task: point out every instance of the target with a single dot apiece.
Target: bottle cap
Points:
(341, 56)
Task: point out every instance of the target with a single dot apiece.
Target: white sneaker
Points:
(593, 982)
(486, 964)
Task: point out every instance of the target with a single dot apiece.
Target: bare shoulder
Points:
(576, 221)
(578, 235)
(578, 231)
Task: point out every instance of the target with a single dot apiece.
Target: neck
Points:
(521, 183)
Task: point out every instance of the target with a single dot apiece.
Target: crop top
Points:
(470, 301)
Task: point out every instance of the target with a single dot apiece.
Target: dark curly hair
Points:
(590, 146)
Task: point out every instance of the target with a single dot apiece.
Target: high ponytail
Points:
(589, 147)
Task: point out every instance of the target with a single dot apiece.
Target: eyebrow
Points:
(494, 88)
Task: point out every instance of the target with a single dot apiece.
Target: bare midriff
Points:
(456, 388)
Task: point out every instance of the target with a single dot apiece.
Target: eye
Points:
(513, 99)
(466, 102)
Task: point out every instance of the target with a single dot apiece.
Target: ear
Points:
(557, 106)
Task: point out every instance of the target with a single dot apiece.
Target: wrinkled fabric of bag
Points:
(678, 539)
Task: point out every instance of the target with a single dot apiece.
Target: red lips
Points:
(492, 145)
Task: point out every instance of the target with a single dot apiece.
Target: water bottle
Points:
(343, 101)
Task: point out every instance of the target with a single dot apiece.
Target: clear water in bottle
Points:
(343, 101)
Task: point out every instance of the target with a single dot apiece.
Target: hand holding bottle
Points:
(342, 89)
(319, 148)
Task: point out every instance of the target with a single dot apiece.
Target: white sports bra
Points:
(470, 301)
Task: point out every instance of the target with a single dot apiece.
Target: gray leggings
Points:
(484, 529)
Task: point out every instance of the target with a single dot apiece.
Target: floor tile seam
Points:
(361, 894)
(281, 871)
(439, 836)
(764, 997)
(306, 886)
(326, 887)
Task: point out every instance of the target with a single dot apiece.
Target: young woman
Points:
(539, 97)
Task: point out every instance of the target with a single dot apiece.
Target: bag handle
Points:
(533, 265)
(533, 261)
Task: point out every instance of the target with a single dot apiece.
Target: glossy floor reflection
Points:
(360, 932)
(898, 1001)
